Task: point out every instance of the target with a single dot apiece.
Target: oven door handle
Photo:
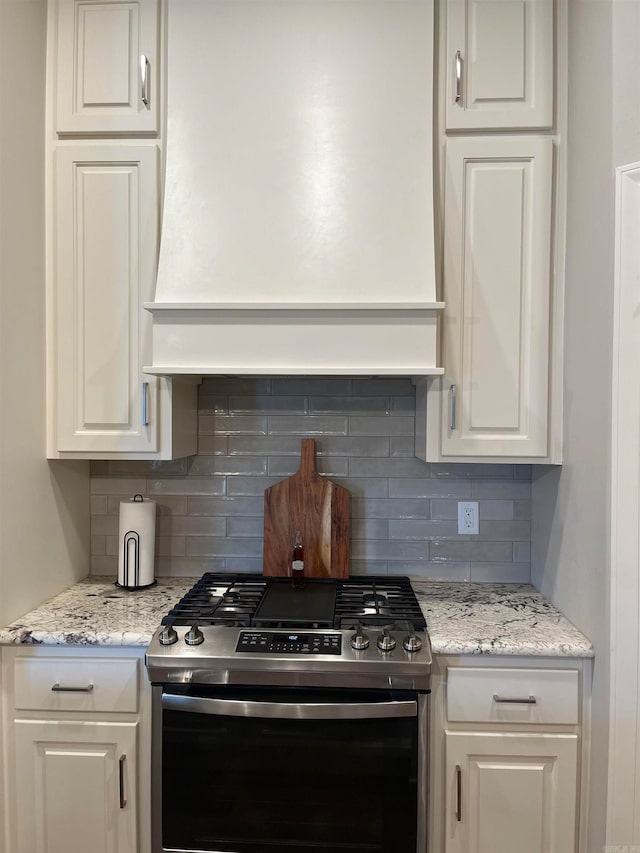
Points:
(290, 710)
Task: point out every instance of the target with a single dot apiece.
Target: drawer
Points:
(76, 684)
(476, 695)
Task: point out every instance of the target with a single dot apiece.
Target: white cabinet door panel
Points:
(499, 64)
(497, 285)
(510, 792)
(100, 67)
(75, 787)
(106, 241)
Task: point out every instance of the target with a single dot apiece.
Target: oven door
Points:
(242, 770)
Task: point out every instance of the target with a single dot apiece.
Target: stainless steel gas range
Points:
(291, 719)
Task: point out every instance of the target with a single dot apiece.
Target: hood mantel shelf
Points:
(214, 338)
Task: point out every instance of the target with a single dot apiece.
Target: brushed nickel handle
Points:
(458, 793)
(453, 393)
(123, 801)
(508, 700)
(58, 688)
(144, 80)
(459, 66)
(291, 710)
(145, 404)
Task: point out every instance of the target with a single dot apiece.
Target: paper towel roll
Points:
(137, 542)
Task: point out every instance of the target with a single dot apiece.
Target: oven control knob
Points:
(167, 636)
(412, 643)
(385, 641)
(194, 636)
(359, 640)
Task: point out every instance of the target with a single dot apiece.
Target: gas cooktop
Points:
(366, 632)
(256, 601)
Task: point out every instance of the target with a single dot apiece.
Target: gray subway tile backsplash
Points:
(404, 511)
(388, 508)
(470, 549)
(350, 405)
(310, 425)
(297, 405)
(427, 487)
(371, 425)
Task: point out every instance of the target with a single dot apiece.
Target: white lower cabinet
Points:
(509, 755)
(510, 791)
(75, 786)
(77, 726)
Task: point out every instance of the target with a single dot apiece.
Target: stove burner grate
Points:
(377, 601)
(217, 599)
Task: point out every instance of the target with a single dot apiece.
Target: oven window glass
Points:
(248, 784)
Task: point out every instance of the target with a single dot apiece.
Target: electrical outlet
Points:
(468, 517)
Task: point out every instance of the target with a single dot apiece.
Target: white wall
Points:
(44, 508)
(570, 536)
(570, 505)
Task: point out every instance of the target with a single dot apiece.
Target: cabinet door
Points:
(76, 787)
(510, 791)
(106, 250)
(497, 287)
(499, 63)
(107, 74)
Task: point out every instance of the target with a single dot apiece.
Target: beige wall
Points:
(44, 512)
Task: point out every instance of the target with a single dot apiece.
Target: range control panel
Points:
(290, 643)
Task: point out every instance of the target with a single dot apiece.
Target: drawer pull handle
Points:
(58, 688)
(508, 700)
(458, 793)
(123, 801)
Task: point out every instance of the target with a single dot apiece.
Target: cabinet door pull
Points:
(58, 688)
(121, 761)
(453, 390)
(144, 80)
(458, 793)
(459, 62)
(508, 700)
(145, 404)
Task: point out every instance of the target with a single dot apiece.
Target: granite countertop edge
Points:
(511, 619)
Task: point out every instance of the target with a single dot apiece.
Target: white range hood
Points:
(297, 232)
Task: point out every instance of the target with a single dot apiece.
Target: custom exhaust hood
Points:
(297, 232)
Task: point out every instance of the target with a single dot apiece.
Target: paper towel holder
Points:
(131, 562)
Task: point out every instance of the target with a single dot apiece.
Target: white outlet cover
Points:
(468, 520)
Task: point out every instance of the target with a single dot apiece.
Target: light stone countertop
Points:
(462, 618)
(95, 612)
(496, 619)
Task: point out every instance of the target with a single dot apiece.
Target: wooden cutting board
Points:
(315, 507)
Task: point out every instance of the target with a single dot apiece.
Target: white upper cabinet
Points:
(499, 64)
(107, 232)
(497, 273)
(103, 214)
(502, 199)
(107, 66)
